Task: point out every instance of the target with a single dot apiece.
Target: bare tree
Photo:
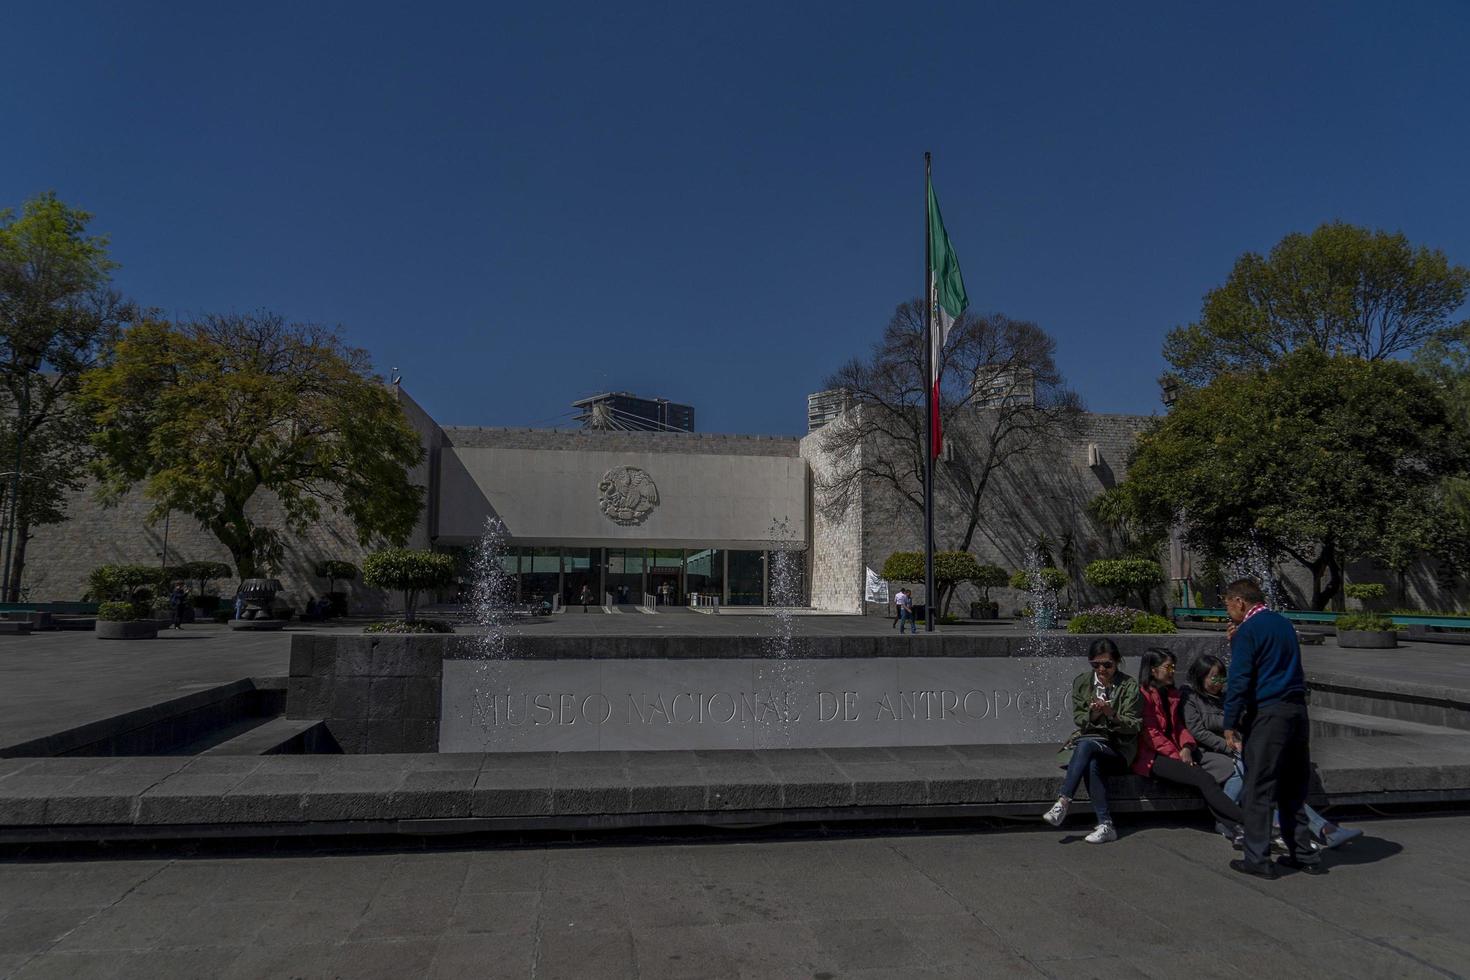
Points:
(1001, 396)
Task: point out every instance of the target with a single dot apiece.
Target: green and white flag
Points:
(947, 298)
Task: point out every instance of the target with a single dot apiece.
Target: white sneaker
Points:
(1103, 834)
(1058, 812)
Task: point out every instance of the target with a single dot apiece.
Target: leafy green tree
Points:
(1317, 458)
(1365, 592)
(989, 577)
(410, 572)
(1052, 579)
(333, 569)
(204, 572)
(58, 316)
(951, 568)
(1340, 289)
(1125, 577)
(211, 416)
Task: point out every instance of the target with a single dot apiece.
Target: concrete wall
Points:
(723, 492)
(1044, 491)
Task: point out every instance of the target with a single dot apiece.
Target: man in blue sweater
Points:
(1266, 710)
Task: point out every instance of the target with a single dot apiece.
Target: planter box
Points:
(138, 629)
(984, 610)
(1367, 639)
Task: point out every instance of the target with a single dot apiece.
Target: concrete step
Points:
(238, 796)
(270, 736)
(1332, 722)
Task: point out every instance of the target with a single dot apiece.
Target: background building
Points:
(621, 411)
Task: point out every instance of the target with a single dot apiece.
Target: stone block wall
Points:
(838, 575)
(376, 694)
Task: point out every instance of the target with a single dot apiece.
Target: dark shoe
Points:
(1305, 867)
(1246, 868)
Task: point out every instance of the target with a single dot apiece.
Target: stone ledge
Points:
(226, 795)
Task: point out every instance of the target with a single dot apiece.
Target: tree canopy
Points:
(58, 316)
(1322, 459)
(410, 572)
(211, 416)
(1340, 289)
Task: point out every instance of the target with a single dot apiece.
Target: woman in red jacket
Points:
(1166, 749)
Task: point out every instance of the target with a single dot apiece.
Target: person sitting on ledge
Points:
(1204, 716)
(1105, 707)
(1167, 750)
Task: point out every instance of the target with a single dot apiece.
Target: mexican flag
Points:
(947, 299)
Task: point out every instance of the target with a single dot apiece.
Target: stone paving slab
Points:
(960, 905)
(326, 793)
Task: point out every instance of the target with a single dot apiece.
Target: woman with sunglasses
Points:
(1105, 707)
(1167, 750)
(1204, 716)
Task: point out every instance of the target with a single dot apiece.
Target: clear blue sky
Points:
(522, 204)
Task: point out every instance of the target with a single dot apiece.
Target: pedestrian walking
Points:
(1266, 722)
(906, 611)
(176, 600)
(239, 604)
(586, 596)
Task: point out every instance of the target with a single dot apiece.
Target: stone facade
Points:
(1042, 492)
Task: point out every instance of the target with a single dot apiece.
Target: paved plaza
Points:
(1020, 903)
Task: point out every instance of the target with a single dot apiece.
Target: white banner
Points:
(876, 589)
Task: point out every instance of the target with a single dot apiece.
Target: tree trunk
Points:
(18, 560)
(1326, 564)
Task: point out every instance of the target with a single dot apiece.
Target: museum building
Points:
(634, 516)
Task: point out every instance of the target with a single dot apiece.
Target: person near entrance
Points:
(906, 611)
(1266, 721)
(586, 596)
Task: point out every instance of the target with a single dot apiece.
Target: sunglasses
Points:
(1100, 664)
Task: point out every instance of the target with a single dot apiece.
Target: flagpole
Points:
(931, 607)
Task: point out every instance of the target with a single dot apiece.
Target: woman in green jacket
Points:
(1106, 708)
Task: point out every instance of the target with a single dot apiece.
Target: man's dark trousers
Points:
(1278, 773)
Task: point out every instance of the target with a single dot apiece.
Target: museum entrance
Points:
(659, 576)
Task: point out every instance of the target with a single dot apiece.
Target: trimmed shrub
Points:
(1103, 619)
(414, 626)
(1364, 621)
(1118, 619)
(117, 612)
(990, 577)
(1052, 578)
(1125, 577)
(333, 569)
(201, 573)
(410, 572)
(118, 582)
(1151, 623)
(1365, 592)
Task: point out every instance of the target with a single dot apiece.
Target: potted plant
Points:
(333, 569)
(1366, 631)
(201, 573)
(1365, 592)
(1052, 581)
(988, 577)
(118, 620)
